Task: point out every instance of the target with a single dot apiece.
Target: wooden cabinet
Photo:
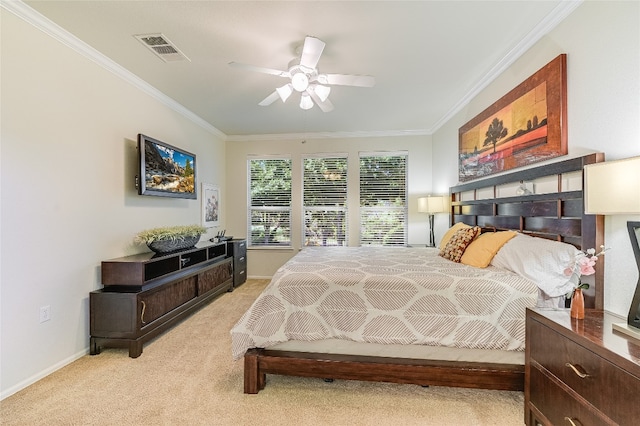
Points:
(146, 294)
(238, 249)
(580, 372)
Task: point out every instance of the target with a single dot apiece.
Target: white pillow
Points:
(540, 260)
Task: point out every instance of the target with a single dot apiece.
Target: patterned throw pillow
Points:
(447, 235)
(459, 243)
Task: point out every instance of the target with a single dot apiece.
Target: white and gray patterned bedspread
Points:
(387, 295)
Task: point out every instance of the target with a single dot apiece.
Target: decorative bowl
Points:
(167, 246)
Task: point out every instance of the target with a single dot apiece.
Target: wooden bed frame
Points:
(557, 215)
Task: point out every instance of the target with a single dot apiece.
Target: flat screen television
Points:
(165, 170)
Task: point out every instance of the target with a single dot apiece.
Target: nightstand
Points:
(237, 248)
(579, 372)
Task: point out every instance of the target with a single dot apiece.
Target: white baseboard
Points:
(42, 374)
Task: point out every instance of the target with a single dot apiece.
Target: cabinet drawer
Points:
(558, 405)
(158, 302)
(214, 277)
(560, 356)
(193, 258)
(240, 262)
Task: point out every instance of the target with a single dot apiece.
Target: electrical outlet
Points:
(45, 313)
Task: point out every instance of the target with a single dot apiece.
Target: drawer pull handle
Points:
(572, 423)
(144, 307)
(578, 372)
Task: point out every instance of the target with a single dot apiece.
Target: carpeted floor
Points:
(186, 377)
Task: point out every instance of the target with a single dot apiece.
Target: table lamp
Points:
(431, 205)
(611, 187)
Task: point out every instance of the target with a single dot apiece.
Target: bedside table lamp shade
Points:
(431, 205)
(613, 187)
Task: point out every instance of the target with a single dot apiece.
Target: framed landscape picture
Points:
(525, 126)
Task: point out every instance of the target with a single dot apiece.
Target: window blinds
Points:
(324, 199)
(383, 199)
(269, 202)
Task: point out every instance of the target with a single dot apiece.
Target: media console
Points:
(145, 294)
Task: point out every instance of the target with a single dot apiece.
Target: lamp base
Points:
(627, 330)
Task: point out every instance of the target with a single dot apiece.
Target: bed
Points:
(408, 315)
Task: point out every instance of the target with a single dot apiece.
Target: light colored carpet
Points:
(186, 377)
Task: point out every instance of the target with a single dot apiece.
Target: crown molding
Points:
(557, 15)
(326, 135)
(53, 30)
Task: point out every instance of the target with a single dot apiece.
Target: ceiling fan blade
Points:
(270, 99)
(348, 80)
(263, 70)
(325, 106)
(311, 52)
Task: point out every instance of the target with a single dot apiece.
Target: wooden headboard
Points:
(556, 213)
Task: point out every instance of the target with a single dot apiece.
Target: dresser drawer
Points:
(240, 262)
(558, 405)
(569, 361)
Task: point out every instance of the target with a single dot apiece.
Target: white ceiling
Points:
(428, 57)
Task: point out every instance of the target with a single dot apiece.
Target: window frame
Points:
(382, 210)
(344, 238)
(270, 208)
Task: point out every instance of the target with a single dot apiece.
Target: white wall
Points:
(602, 43)
(68, 199)
(67, 158)
(264, 262)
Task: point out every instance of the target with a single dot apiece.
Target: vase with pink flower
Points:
(584, 264)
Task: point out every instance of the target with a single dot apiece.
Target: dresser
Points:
(580, 372)
(146, 294)
(237, 248)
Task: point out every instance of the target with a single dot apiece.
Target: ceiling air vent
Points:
(162, 47)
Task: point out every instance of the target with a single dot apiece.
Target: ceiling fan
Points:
(305, 78)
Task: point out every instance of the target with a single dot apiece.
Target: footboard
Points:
(260, 362)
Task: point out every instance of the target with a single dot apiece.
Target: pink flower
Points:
(586, 265)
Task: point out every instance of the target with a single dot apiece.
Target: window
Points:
(324, 198)
(269, 202)
(383, 199)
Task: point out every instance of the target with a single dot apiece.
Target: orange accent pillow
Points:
(481, 251)
(447, 235)
(458, 243)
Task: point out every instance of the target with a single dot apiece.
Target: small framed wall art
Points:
(210, 205)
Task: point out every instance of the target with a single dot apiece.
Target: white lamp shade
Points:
(612, 187)
(432, 205)
(305, 101)
(285, 91)
(322, 91)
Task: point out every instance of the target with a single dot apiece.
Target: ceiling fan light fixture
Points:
(285, 91)
(305, 101)
(322, 91)
(300, 81)
(303, 76)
